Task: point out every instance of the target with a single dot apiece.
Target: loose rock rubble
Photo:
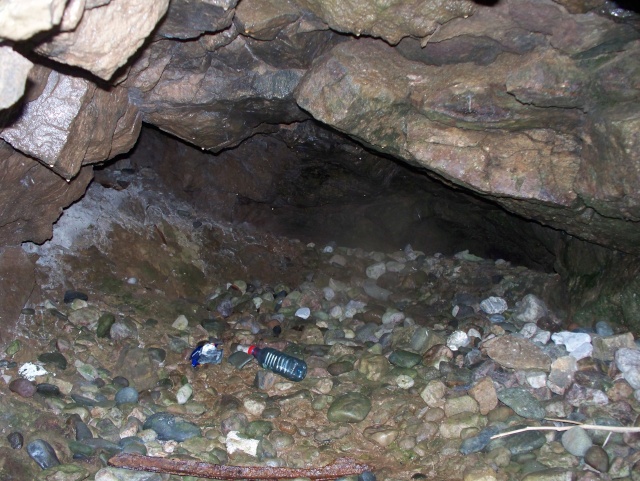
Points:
(414, 361)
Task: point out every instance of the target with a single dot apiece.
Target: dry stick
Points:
(339, 468)
(595, 427)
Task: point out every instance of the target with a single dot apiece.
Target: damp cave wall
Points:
(509, 126)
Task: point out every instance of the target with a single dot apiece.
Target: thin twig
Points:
(339, 468)
(594, 427)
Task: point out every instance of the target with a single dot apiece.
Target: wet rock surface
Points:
(386, 383)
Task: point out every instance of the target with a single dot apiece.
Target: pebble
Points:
(597, 458)
(460, 404)
(479, 442)
(157, 354)
(239, 359)
(562, 373)
(577, 344)
(517, 353)
(403, 358)
(576, 441)
(604, 348)
(530, 310)
(374, 271)
(604, 329)
(184, 393)
(433, 394)
(525, 442)
(22, 387)
(494, 305)
(457, 340)
(125, 328)
(303, 313)
(126, 395)
(42, 453)
(105, 321)
(381, 435)
(484, 392)
(404, 381)
(522, 402)
(70, 296)
(181, 323)
(170, 427)
(628, 362)
(16, 440)
(48, 390)
(349, 408)
(55, 359)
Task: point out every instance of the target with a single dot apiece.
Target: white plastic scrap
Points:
(235, 443)
(30, 371)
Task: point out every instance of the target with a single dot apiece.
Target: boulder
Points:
(72, 122)
(107, 35)
(32, 197)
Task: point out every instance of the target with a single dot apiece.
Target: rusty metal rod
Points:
(339, 468)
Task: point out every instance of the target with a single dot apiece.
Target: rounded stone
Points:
(402, 358)
(259, 429)
(43, 454)
(184, 394)
(157, 354)
(16, 440)
(349, 408)
(170, 427)
(597, 458)
(127, 395)
(70, 296)
(522, 402)
(576, 441)
(48, 390)
(22, 387)
(281, 440)
(381, 435)
(120, 381)
(105, 322)
(53, 358)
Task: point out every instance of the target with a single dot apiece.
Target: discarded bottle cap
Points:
(207, 353)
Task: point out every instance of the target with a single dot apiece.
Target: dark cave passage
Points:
(308, 182)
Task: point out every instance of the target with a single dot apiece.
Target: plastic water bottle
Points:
(287, 366)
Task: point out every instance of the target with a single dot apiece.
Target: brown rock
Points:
(216, 100)
(17, 281)
(33, 197)
(561, 375)
(72, 122)
(527, 154)
(397, 19)
(263, 19)
(516, 353)
(22, 387)
(484, 392)
(437, 354)
(106, 36)
(187, 19)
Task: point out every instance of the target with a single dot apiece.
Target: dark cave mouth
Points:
(314, 184)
